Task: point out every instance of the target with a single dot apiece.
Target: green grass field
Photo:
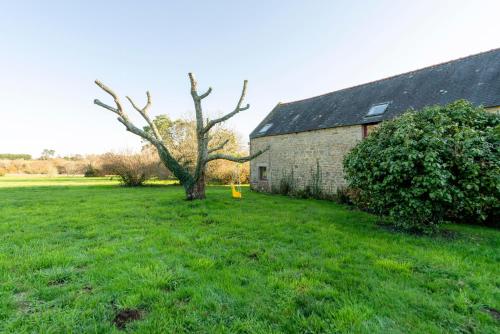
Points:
(88, 256)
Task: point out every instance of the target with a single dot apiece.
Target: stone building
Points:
(309, 138)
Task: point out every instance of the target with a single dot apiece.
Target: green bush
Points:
(91, 171)
(424, 168)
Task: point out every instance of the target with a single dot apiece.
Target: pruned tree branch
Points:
(218, 156)
(194, 84)
(202, 96)
(141, 133)
(143, 111)
(99, 103)
(220, 147)
(197, 104)
(234, 112)
(145, 108)
(170, 162)
(119, 108)
(194, 88)
(123, 117)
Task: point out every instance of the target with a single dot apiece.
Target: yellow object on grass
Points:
(234, 192)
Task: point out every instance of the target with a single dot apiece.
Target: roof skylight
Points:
(378, 109)
(265, 127)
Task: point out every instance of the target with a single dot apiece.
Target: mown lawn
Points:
(75, 253)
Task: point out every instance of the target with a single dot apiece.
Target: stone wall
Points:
(494, 109)
(298, 154)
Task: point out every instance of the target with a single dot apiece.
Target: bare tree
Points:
(193, 182)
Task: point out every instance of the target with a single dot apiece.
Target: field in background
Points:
(60, 181)
(85, 255)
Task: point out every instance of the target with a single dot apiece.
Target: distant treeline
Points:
(11, 156)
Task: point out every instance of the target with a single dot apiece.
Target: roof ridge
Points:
(396, 75)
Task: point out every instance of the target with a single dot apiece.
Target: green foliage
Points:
(10, 156)
(77, 251)
(424, 168)
(47, 154)
(91, 171)
(179, 137)
(313, 189)
(287, 184)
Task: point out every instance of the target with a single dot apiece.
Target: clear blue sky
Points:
(53, 50)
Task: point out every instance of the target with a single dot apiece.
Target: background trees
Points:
(13, 156)
(180, 137)
(424, 168)
(47, 154)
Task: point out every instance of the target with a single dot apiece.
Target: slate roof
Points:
(475, 78)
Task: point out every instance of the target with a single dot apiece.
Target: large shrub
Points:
(423, 168)
(132, 169)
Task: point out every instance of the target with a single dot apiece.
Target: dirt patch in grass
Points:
(442, 233)
(493, 312)
(21, 299)
(59, 281)
(182, 301)
(126, 316)
(253, 256)
(169, 286)
(87, 289)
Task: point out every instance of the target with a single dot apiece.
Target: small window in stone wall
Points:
(262, 173)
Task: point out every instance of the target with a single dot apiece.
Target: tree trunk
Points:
(196, 190)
